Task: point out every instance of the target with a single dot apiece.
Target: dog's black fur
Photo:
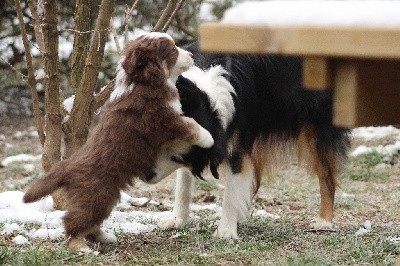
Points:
(196, 104)
(270, 103)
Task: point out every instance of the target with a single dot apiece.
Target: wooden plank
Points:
(317, 73)
(345, 94)
(367, 93)
(321, 41)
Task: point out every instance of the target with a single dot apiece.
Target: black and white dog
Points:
(258, 113)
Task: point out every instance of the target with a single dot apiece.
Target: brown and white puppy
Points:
(140, 129)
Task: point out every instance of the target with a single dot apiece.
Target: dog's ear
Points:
(142, 65)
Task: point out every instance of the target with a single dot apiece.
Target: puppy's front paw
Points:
(172, 222)
(205, 139)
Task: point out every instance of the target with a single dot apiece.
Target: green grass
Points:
(362, 167)
(263, 242)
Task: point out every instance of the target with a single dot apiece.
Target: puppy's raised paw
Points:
(205, 139)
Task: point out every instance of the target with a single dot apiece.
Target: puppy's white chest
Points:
(176, 105)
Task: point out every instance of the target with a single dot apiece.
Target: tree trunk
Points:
(81, 41)
(52, 144)
(77, 127)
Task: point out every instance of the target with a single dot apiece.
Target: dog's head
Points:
(152, 58)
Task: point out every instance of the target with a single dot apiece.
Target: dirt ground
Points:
(291, 194)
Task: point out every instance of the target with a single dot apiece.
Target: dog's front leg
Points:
(183, 196)
(237, 200)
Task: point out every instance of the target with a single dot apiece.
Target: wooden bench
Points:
(361, 64)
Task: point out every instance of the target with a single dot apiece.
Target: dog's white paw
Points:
(321, 224)
(106, 238)
(173, 222)
(226, 233)
(205, 139)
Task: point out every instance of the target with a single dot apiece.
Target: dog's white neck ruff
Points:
(218, 89)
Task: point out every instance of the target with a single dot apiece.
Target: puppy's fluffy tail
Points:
(46, 185)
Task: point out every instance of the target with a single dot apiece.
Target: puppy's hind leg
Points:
(98, 235)
(183, 196)
(84, 220)
(239, 191)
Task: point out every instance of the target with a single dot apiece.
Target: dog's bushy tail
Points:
(46, 185)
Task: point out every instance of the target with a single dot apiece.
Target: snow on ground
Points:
(20, 158)
(364, 13)
(17, 218)
(370, 133)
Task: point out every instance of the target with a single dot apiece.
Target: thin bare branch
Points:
(168, 23)
(87, 32)
(31, 75)
(128, 16)
(115, 37)
(103, 96)
(36, 22)
(14, 69)
(180, 20)
(167, 15)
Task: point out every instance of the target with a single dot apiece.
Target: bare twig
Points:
(177, 7)
(36, 25)
(31, 75)
(103, 96)
(167, 13)
(115, 37)
(128, 15)
(14, 69)
(89, 31)
(180, 20)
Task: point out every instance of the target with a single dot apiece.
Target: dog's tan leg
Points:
(183, 197)
(324, 166)
(327, 183)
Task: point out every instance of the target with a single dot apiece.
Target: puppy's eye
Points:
(174, 49)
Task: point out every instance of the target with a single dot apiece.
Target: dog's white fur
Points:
(237, 197)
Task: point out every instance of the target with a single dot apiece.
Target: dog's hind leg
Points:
(323, 163)
(183, 196)
(238, 193)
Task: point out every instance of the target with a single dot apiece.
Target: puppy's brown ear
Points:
(142, 65)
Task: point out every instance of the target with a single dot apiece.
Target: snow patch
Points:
(20, 158)
(265, 214)
(20, 240)
(367, 227)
